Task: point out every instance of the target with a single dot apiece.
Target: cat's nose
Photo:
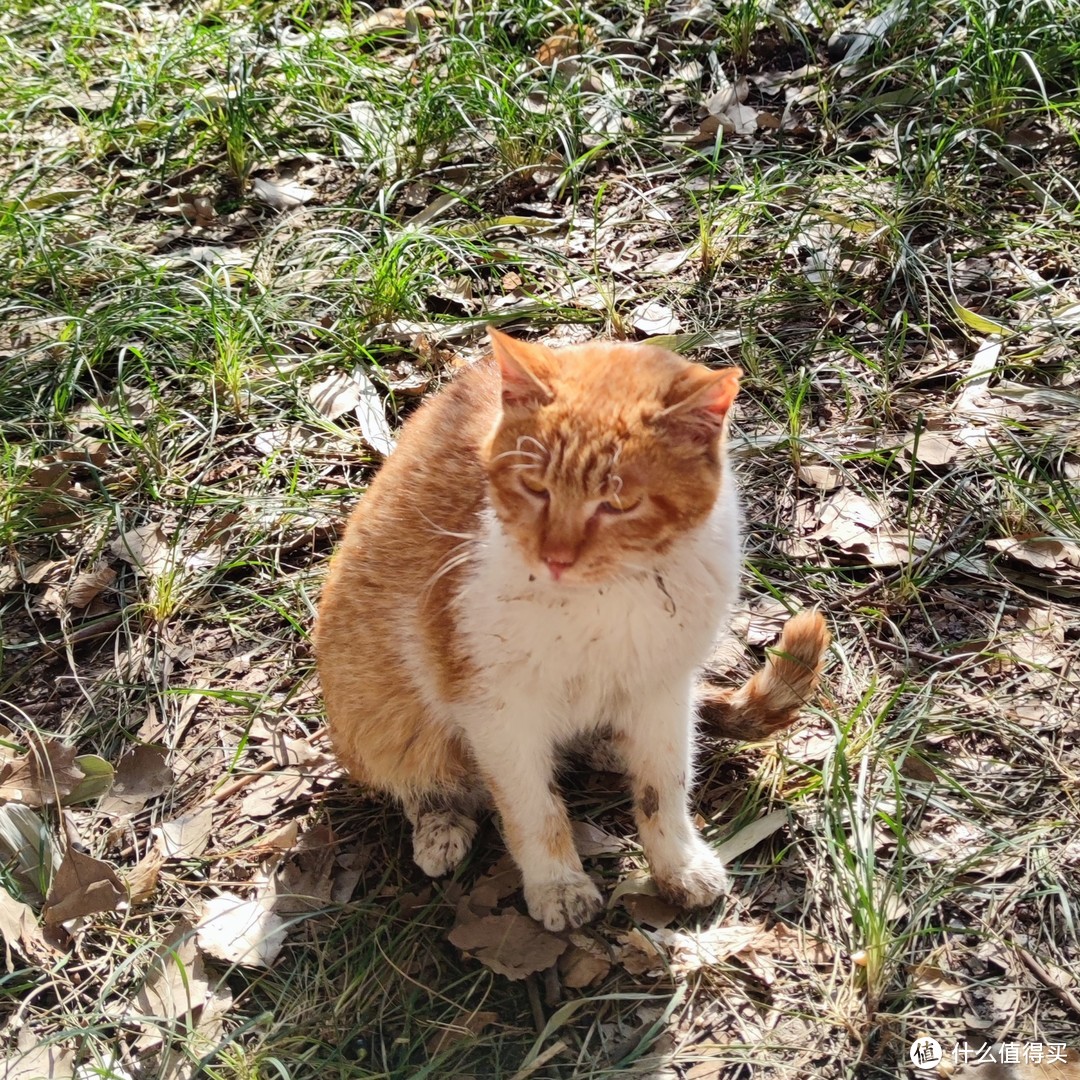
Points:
(557, 567)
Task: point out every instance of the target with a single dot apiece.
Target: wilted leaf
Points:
(142, 878)
(146, 548)
(186, 837)
(390, 19)
(40, 1062)
(303, 882)
(141, 775)
(89, 585)
(566, 42)
(1041, 552)
(465, 1027)
(977, 322)
(335, 395)
(175, 983)
(97, 779)
(652, 911)
(82, 886)
(751, 835)
(19, 929)
(281, 196)
(371, 412)
(585, 963)
(928, 980)
(823, 477)
(43, 775)
(653, 318)
(589, 840)
(509, 943)
(931, 449)
(241, 931)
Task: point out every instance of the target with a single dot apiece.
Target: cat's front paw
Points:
(696, 882)
(564, 905)
(441, 839)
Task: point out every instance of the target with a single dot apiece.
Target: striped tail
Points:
(772, 698)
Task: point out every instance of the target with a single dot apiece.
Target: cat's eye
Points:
(619, 506)
(535, 486)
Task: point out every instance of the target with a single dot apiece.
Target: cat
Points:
(548, 554)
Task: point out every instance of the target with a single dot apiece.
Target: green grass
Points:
(161, 328)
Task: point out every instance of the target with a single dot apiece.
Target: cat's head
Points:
(604, 454)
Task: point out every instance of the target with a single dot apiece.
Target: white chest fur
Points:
(586, 649)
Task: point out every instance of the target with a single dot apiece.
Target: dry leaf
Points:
(652, 318)
(371, 413)
(281, 196)
(141, 775)
(142, 878)
(585, 963)
(175, 983)
(303, 880)
(566, 42)
(89, 585)
(931, 449)
(590, 841)
(19, 929)
(40, 1062)
(185, 837)
(652, 911)
(391, 19)
(45, 774)
(82, 886)
(928, 980)
(822, 477)
(241, 931)
(509, 943)
(1043, 553)
(335, 395)
(146, 548)
(751, 835)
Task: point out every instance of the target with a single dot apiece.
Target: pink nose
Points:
(556, 567)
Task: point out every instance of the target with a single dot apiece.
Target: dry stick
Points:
(541, 1061)
(242, 782)
(1062, 993)
(921, 654)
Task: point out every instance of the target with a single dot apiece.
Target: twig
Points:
(1062, 993)
(542, 1059)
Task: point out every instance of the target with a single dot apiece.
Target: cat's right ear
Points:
(526, 370)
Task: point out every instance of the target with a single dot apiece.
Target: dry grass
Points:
(207, 210)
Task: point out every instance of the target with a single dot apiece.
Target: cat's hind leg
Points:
(444, 826)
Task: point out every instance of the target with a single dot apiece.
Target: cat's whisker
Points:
(538, 458)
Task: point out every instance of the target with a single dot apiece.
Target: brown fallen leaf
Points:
(185, 837)
(335, 395)
(280, 196)
(653, 911)
(83, 886)
(89, 585)
(1041, 552)
(19, 929)
(391, 19)
(44, 775)
(141, 775)
(509, 943)
(566, 42)
(147, 548)
(142, 878)
(822, 477)
(304, 880)
(589, 840)
(41, 1062)
(586, 963)
(175, 984)
(653, 318)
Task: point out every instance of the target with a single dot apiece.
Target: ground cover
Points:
(242, 241)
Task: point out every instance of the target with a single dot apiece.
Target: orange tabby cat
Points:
(549, 554)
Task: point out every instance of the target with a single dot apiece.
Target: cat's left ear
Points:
(701, 398)
(526, 369)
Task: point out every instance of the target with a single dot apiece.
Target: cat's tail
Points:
(772, 698)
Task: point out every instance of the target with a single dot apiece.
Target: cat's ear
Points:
(700, 399)
(526, 370)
